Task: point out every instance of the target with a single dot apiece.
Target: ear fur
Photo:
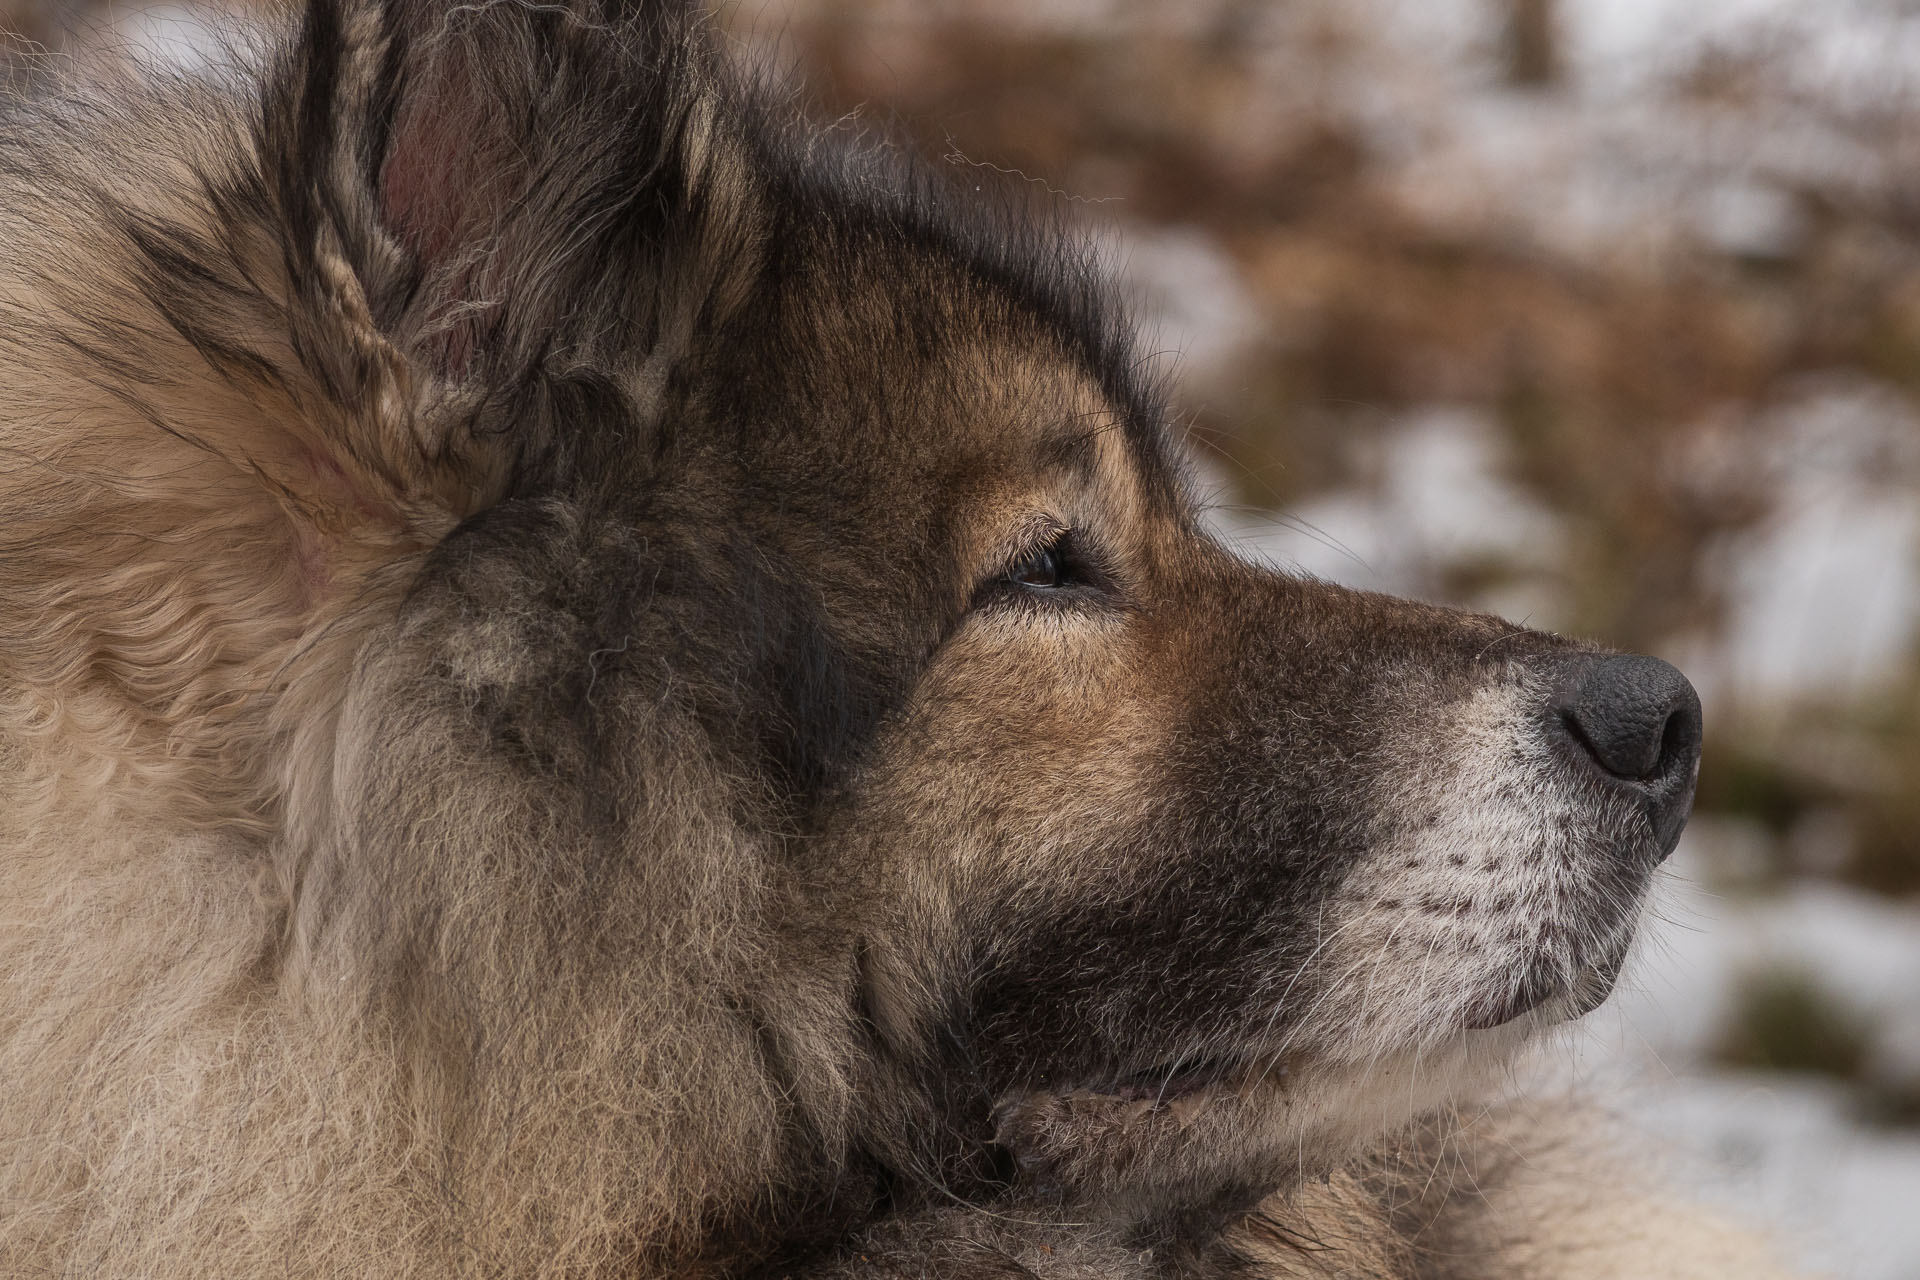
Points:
(476, 197)
(265, 343)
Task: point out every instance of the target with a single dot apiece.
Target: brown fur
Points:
(527, 747)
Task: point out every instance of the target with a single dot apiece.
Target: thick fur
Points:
(527, 749)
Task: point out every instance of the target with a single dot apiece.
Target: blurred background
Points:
(1600, 314)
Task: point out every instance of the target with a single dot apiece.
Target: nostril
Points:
(1637, 717)
(1681, 737)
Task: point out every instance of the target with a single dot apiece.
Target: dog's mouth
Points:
(1544, 982)
(1077, 1133)
(1099, 1137)
(1172, 1082)
(1543, 986)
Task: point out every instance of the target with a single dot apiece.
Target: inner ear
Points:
(475, 163)
(476, 199)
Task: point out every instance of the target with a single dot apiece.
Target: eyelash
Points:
(1044, 568)
(1060, 572)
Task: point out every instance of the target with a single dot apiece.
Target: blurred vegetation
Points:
(1853, 777)
(1786, 1020)
(1887, 855)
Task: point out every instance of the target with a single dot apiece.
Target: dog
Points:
(597, 680)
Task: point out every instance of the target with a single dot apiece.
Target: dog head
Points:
(704, 637)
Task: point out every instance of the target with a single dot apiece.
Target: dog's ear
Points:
(477, 199)
(256, 356)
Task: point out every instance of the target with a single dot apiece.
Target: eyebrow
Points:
(1074, 445)
(1075, 450)
(1074, 442)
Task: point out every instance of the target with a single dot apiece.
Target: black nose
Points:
(1638, 720)
(1636, 715)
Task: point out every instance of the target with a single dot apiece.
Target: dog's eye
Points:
(1059, 572)
(1045, 568)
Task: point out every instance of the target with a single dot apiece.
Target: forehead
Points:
(912, 358)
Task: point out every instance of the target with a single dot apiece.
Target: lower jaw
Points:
(1597, 983)
(1121, 1156)
(1180, 1089)
(1588, 991)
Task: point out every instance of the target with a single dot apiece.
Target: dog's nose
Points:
(1637, 716)
(1637, 719)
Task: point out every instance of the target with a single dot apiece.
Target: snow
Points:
(1786, 1151)
(1617, 155)
(1783, 1154)
(1823, 595)
(1701, 943)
